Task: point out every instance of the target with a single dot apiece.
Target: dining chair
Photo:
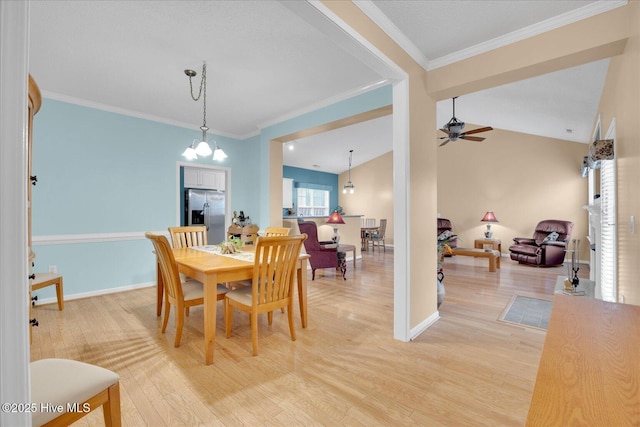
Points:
(276, 231)
(274, 272)
(376, 237)
(370, 222)
(182, 294)
(187, 236)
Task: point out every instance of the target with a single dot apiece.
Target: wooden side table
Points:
(496, 244)
(346, 248)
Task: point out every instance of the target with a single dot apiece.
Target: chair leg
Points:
(292, 330)
(254, 332)
(313, 274)
(179, 325)
(60, 295)
(111, 408)
(270, 317)
(167, 309)
(228, 317)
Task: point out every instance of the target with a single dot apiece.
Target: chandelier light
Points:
(202, 148)
(349, 185)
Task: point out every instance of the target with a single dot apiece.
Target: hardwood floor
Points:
(467, 369)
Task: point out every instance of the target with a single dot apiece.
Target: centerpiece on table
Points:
(231, 246)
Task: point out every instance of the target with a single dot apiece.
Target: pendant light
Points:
(349, 185)
(202, 149)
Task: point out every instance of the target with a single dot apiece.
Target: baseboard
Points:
(424, 325)
(70, 297)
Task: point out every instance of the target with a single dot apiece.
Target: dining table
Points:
(212, 268)
(364, 232)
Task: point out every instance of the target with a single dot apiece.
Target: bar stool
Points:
(43, 280)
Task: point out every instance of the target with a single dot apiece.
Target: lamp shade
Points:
(489, 217)
(335, 218)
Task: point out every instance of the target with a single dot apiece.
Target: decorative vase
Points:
(440, 276)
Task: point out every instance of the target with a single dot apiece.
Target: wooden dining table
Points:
(363, 236)
(211, 269)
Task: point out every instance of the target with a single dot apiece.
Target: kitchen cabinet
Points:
(208, 179)
(287, 193)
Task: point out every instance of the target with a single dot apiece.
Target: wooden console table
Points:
(589, 373)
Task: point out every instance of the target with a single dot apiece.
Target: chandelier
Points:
(202, 149)
(349, 185)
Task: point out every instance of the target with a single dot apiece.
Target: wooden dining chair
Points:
(274, 272)
(181, 294)
(376, 237)
(187, 236)
(276, 231)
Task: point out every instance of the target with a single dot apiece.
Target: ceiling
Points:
(268, 61)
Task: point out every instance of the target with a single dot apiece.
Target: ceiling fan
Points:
(454, 127)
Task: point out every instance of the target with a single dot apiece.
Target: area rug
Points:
(527, 311)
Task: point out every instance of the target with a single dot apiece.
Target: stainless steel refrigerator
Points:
(206, 207)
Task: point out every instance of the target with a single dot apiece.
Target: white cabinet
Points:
(287, 193)
(208, 179)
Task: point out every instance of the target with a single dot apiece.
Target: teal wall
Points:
(101, 173)
(299, 175)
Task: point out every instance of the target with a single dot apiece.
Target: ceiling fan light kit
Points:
(454, 128)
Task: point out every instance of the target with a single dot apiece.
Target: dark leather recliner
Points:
(540, 250)
(320, 255)
(445, 225)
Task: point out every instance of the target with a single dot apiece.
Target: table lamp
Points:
(335, 219)
(489, 217)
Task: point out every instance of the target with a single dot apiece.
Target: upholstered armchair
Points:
(547, 246)
(320, 255)
(445, 225)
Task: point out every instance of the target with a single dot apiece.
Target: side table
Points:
(346, 248)
(496, 244)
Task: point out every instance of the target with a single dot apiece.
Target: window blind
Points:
(608, 286)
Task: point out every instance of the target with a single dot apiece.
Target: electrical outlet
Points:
(53, 269)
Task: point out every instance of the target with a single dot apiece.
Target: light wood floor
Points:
(467, 369)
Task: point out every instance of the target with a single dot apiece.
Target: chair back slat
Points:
(276, 231)
(187, 236)
(168, 266)
(274, 268)
(382, 228)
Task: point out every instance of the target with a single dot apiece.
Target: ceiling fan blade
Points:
(472, 138)
(445, 131)
(484, 129)
(445, 143)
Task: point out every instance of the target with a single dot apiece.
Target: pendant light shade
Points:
(349, 187)
(203, 149)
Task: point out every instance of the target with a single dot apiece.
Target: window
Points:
(312, 202)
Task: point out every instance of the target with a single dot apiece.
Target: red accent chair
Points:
(320, 255)
(547, 246)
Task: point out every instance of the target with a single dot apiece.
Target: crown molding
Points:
(324, 103)
(376, 15)
(130, 113)
(381, 20)
(530, 31)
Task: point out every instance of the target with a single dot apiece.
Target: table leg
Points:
(302, 290)
(159, 290)
(210, 306)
